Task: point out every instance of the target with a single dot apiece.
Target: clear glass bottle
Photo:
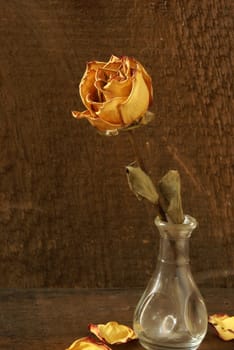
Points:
(171, 313)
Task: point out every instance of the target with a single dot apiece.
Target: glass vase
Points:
(171, 313)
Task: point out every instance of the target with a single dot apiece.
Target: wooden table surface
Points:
(51, 319)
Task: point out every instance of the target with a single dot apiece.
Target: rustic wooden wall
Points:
(67, 217)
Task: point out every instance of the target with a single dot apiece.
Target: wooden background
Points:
(67, 217)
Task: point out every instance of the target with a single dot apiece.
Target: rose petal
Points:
(148, 82)
(113, 58)
(109, 111)
(128, 64)
(137, 102)
(224, 325)
(95, 65)
(134, 65)
(117, 88)
(112, 67)
(80, 115)
(213, 319)
(98, 123)
(224, 334)
(88, 343)
(119, 83)
(113, 332)
(228, 323)
(106, 74)
(87, 87)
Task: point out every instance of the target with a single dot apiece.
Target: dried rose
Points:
(88, 343)
(224, 325)
(116, 93)
(113, 332)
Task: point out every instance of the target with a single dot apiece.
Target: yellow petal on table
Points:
(87, 343)
(113, 332)
(224, 325)
(138, 101)
(216, 318)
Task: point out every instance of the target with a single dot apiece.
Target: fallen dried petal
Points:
(216, 318)
(224, 325)
(88, 343)
(113, 332)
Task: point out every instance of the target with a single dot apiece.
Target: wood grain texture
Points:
(51, 319)
(67, 217)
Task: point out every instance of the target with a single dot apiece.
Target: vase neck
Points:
(174, 240)
(174, 251)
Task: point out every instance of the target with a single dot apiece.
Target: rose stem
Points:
(138, 157)
(140, 162)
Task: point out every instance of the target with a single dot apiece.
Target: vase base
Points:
(150, 346)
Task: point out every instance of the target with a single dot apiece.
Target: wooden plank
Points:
(67, 217)
(51, 319)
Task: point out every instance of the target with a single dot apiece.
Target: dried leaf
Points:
(141, 184)
(113, 332)
(147, 118)
(170, 197)
(88, 343)
(224, 325)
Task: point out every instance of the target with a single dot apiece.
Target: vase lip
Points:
(189, 222)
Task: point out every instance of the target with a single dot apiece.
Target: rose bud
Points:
(116, 94)
(113, 332)
(224, 325)
(88, 343)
